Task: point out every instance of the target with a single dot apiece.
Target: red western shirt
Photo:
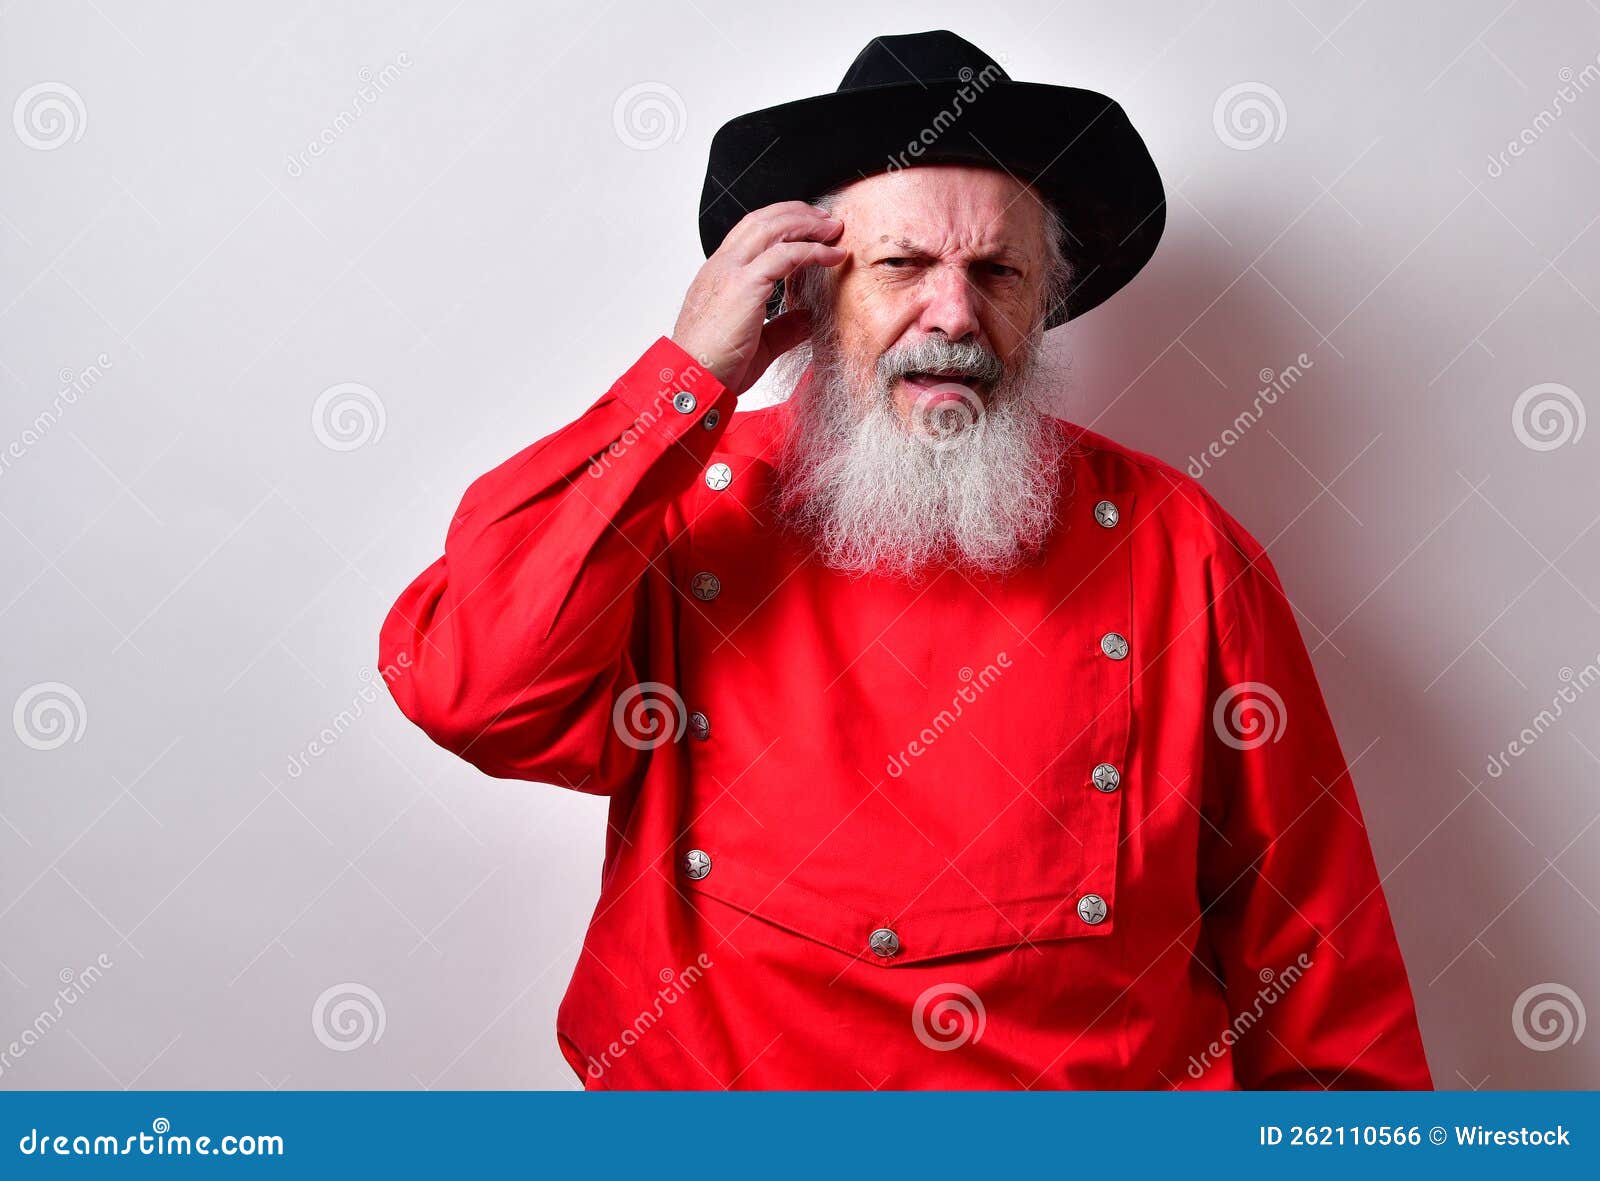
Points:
(1084, 825)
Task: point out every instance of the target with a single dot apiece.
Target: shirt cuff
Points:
(668, 382)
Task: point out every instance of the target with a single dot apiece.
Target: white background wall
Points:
(484, 250)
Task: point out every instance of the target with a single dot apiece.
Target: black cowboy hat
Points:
(934, 98)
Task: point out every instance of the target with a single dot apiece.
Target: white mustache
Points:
(933, 354)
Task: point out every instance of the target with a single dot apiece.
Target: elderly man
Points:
(948, 744)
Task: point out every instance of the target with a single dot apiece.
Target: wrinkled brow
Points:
(1000, 252)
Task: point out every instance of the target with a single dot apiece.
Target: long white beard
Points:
(970, 486)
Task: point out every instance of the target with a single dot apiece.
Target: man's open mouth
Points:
(926, 379)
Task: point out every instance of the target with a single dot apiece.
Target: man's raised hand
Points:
(722, 323)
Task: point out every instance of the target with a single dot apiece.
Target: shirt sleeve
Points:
(514, 648)
(1294, 908)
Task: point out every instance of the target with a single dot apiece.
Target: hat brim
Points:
(1076, 147)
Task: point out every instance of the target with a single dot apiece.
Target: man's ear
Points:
(780, 335)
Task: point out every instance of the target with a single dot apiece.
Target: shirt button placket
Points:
(705, 586)
(1092, 908)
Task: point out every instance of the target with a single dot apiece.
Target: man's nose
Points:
(951, 305)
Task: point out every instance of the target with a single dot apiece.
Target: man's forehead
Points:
(932, 206)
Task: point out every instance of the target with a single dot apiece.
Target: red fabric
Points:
(911, 757)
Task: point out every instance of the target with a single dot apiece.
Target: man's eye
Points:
(1000, 270)
(895, 262)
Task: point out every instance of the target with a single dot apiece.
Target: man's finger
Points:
(783, 259)
(802, 224)
(752, 224)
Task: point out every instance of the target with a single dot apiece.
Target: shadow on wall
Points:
(1494, 993)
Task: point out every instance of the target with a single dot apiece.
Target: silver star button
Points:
(696, 864)
(718, 476)
(1106, 513)
(1105, 777)
(1092, 909)
(706, 586)
(1114, 645)
(884, 942)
